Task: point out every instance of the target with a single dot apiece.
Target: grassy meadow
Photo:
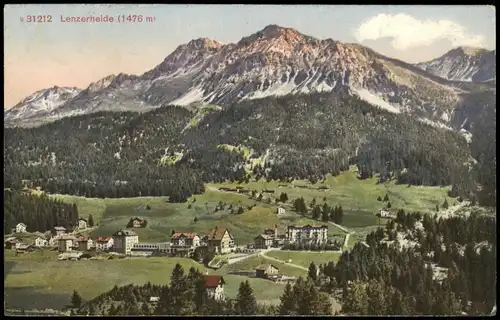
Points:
(41, 276)
(304, 258)
(38, 280)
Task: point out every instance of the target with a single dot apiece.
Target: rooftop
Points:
(265, 266)
(217, 234)
(308, 227)
(212, 281)
(189, 235)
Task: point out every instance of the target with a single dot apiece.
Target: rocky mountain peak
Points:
(204, 43)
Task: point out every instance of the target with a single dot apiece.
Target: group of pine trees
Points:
(185, 295)
(384, 280)
(38, 212)
(324, 213)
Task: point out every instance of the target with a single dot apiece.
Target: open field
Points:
(304, 258)
(163, 217)
(358, 198)
(49, 283)
(248, 266)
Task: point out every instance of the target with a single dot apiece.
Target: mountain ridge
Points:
(463, 64)
(274, 61)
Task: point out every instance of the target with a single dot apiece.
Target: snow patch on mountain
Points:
(41, 103)
(375, 100)
(194, 95)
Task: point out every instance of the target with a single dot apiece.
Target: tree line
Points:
(126, 154)
(386, 280)
(38, 212)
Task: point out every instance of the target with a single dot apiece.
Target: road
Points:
(231, 261)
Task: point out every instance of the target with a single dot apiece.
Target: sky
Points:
(42, 55)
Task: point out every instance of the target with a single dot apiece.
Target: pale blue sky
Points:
(41, 55)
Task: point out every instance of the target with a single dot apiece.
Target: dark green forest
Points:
(304, 136)
(38, 213)
(381, 279)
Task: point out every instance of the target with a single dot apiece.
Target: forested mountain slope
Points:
(172, 151)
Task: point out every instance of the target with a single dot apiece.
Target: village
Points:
(214, 249)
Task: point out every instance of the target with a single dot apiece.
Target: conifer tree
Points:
(91, 221)
(76, 300)
(246, 304)
(313, 272)
(288, 303)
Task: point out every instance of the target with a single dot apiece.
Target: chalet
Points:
(184, 244)
(137, 222)
(65, 243)
(266, 270)
(82, 224)
(384, 213)
(220, 241)
(22, 248)
(263, 241)
(10, 243)
(59, 231)
(103, 243)
(124, 240)
(20, 228)
(214, 284)
(308, 234)
(41, 241)
(280, 211)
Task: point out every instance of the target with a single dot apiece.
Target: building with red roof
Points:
(214, 284)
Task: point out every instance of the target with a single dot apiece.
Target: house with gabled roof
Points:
(137, 222)
(103, 243)
(41, 241)
(21, 228)
(220, 241)
(82, 224)
(58, 230)
(264, 270)
(214, 284)
(184, 243)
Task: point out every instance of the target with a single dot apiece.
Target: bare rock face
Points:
(275, 61)
(464, 64)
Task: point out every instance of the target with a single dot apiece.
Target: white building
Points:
(59, 231)
(384, 213)
(20, 228)
(41, 241)
(124, 241)
(281, 210)
(214, 284)
(82, 224)
(308, 234)
(104, 243)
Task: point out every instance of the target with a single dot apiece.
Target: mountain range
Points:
(464, 64)
(277, 105)
(275, 61)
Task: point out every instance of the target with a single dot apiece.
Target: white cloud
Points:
(407, 32)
